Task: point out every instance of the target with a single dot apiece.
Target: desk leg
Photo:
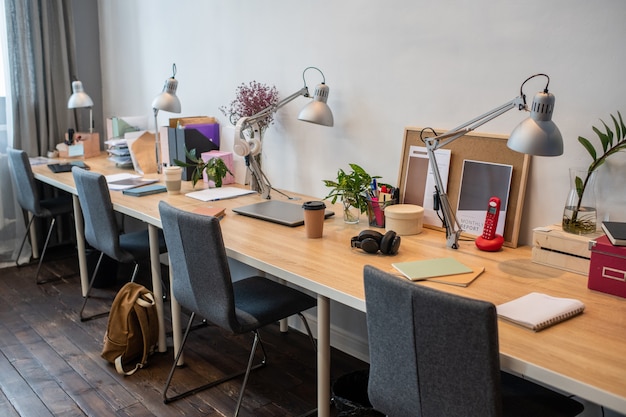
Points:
(80, 245)
(157, 289)
(323, 356)
(177, 328)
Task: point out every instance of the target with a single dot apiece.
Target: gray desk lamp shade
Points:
(538, 135)
(167, 101)
(79, 99)
(317, 111)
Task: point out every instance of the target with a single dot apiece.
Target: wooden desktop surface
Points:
(584, 356)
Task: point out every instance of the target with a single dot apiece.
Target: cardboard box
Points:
(607, 270)
(558, 249)
(180, 139)
(86, 145)
(227, 157)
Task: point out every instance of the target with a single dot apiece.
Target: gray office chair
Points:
(202, 284)
(28, 198)
(102, 231)
(435, 354)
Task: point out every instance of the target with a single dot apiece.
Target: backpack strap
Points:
(140, 307)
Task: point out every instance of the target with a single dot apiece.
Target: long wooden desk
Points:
(583, 356)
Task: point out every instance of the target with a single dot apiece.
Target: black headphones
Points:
(372, 241)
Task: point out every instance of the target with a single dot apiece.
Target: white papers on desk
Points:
(220, 193)
(125, 181)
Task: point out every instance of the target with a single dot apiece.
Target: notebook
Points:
(430, 268)
(281, 212)
(536, 311)
(218, 193)
(67, 166)
(145, 190)
(616, 232)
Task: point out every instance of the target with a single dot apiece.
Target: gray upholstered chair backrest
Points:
(101, 228)
(202, 281)
(446, 364)
(25, 186)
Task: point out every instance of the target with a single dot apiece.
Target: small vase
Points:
(351, 214)
(580, 213)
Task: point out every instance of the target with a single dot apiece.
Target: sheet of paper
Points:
(220, 193)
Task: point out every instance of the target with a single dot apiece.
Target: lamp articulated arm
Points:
(451, 224)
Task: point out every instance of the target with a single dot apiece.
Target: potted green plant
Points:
(352, 189)
(215, 168)
(579, 215)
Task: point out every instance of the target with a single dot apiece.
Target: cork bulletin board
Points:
(479, 147)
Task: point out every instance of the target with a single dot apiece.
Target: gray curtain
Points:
(41, 59)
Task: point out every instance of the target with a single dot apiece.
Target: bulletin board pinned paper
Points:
(479, 147)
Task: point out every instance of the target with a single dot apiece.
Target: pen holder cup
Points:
(376, 211)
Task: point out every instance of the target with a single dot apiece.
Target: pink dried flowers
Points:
(250, 99)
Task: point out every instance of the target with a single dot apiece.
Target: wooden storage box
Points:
(558, 249)
(86, 145)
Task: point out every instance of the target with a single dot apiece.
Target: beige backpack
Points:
(132, 331)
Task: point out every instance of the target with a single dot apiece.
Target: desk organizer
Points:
(558, 249)
(87, 145)
(607, 271)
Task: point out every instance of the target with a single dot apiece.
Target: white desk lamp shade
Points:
(317, 111)
(168, 100)
(79, 98)
(538, 135)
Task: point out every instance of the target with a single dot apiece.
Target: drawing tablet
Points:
(280, 212)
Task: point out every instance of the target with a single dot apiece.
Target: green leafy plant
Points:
(215, 168)
(611, 142)
(351, 187)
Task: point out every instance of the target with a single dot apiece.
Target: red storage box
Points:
(607, 270)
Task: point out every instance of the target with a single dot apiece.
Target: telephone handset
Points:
(491, 219)
(489, 240)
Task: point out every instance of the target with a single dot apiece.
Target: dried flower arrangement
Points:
(250, 99)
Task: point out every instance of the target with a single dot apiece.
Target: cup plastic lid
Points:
(313, 205)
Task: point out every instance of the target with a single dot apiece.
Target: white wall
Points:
(389, 65)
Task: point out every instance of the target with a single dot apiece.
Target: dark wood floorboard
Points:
(50, 362)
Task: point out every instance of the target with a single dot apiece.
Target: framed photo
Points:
(474, 146)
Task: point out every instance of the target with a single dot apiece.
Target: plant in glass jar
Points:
(352, 189)
(579, 215)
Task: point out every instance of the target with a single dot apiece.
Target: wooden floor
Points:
(50, 362)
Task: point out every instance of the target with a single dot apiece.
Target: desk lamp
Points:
(537, 135)
(167, 101)
(79, 99)
(317, 111)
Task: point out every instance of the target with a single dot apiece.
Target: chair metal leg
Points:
(17, 259)
(91, 282)
(43, 253)
(308, 330)
(246, 372)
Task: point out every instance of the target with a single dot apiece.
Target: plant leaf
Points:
(606, 139)
(587, 145)
(618, 132)
(579, 187)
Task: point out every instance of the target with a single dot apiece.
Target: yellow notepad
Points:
(460, 280)
(429, 268)
(537, 311)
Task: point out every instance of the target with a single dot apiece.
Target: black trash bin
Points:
(350, 395)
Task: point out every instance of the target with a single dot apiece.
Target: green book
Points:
(429, 268)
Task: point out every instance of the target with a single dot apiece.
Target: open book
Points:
(537, 311)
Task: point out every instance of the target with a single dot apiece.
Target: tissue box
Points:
(227, 157)
(558, 249)
(607, 270)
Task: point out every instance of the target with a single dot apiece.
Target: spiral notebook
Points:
(536, 311)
